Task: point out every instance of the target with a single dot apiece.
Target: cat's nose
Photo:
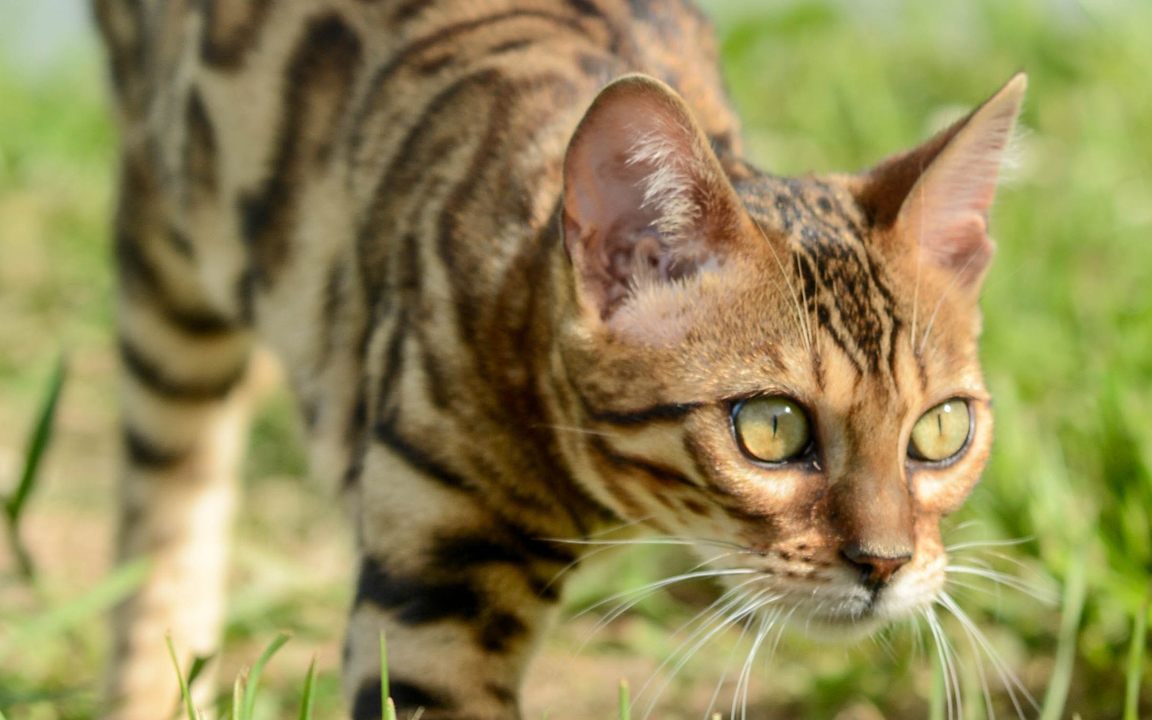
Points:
(876, 565)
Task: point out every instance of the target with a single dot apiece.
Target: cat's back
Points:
(364, 148)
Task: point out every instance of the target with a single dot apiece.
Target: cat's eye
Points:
(771, 429)
(941, 432)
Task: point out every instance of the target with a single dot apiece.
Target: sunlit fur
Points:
(517, 274)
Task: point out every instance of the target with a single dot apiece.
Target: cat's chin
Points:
(841, 629)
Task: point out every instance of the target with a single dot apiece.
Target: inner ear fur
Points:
(645, 198)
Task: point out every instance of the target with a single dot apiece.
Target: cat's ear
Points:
(645, 198)
(938, 194)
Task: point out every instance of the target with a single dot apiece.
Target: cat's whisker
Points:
(560, 573)
(962, 526)
(656, 540)
(801, 315)
(724, 673)
(1009, 559)
(988, 544)
(953, 582)
(632, 598)
(718, 601)
(979, 669)
(750, 606)
(1007, 676)
(721, 616)
(919, 266)
(622, 526)
(661, 584)
(783, 625)
(917, 636)
(947, 667)
(1037, 593)
(804, 299)
(939, 303)
(713, 559)
(742, 683)
(575, 429)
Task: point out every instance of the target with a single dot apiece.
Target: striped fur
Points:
(395, 198)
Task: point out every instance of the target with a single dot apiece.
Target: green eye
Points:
(771, 429)
(941, 432)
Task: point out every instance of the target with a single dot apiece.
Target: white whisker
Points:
(1038, 593)
(988, 544)
(750, 606)
(801, 315)
(940, 302)
(1009, 678)
(575, 429)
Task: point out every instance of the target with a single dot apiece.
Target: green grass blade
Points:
(238, 697)
(198, 664)
(309, 698)
(1075, 590)
(2, 715)
(184, 694)
(625, 704)
(1135, 660)
(257, 669)
(37, 445)
(389, 709)
(107, 593)
(936, 702)
(384, 692)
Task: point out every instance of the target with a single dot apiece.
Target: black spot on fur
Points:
(144, 453)
(417, 601)
(317, 89)
(408, 697)
(500, 631)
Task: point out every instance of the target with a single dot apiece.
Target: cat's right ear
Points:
(645, 198)
(938, 195)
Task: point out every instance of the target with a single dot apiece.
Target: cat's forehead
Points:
(851, 297)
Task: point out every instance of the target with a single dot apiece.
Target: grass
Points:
(821, 85)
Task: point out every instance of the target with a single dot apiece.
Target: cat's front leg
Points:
(460, 587)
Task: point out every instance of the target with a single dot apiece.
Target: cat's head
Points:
(783, 370)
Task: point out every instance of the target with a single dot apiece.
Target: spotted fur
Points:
(518, 276)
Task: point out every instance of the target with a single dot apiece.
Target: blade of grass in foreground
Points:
(1136, 658)
(625, 705)
(238, 697)
(184, 694)
(37, 445)
(254, 676)
(309, 698)
(1061, 680)
(936, 702)
(389, 709)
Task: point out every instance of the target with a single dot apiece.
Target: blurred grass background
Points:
(821, 86)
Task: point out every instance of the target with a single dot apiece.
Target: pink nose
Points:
(876, 567)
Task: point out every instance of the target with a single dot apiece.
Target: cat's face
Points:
(784, 372)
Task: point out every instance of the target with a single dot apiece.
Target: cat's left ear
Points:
(645, 198)
(938, 195)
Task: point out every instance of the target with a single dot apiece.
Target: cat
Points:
(525, 288)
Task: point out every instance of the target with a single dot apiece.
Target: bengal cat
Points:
(525, 288)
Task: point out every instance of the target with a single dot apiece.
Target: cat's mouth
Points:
(858, 614)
